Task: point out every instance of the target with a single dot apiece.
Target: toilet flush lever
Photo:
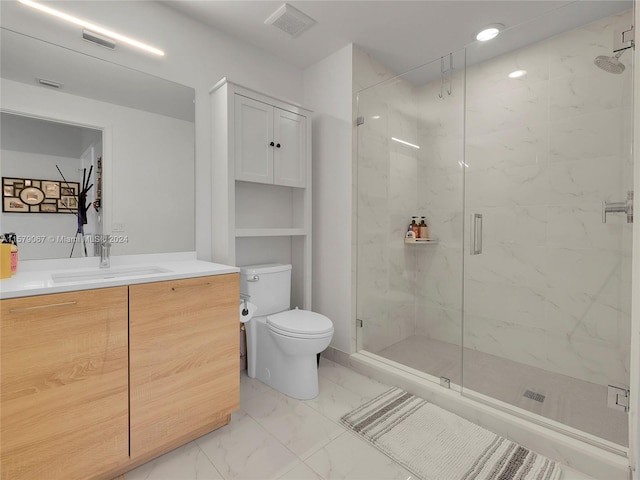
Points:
(253, 278)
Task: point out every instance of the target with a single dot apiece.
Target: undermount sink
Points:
(106, 273)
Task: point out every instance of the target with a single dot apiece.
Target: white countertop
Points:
(36, 277)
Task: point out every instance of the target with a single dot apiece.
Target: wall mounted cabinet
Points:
(270, 143)
(261, 183)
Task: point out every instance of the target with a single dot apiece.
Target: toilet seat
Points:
(300, 324)
(301, 336)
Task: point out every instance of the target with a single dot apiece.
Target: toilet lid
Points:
(300, 321)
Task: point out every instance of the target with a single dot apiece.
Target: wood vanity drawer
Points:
(64, 384)
(184, 359)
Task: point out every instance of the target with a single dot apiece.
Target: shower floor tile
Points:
(576, 403)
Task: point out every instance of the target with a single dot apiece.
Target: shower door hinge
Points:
(359, 323)
(445, 382)
(623, 38)
(359, 121)
(618, 398)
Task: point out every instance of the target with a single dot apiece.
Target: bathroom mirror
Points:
(143, 129)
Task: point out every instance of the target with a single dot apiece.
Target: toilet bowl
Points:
(282, 344)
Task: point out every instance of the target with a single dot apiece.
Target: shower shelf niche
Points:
(421, 241)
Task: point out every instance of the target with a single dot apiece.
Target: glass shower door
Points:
(410, 148)
(547, 283)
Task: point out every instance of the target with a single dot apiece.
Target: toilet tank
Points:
(269, 287)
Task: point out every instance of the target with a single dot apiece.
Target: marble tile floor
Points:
(273, 436)
(574, 402)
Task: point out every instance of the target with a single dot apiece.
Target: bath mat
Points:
(435, 444)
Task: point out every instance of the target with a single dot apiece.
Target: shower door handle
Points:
(476, 234)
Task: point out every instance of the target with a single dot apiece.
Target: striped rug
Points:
(437, 445)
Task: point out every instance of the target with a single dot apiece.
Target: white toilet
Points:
(282, 344)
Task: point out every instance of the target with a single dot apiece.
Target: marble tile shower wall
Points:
(387, 197)
(552, 287)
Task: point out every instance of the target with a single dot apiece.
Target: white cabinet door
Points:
(289, 162)
(253, 137)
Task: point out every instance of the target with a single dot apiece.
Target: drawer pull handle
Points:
(40, 307)
(174, 289)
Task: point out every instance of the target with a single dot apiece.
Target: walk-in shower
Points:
(535, 319)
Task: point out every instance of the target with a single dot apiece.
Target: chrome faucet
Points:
(619, 207)
(105, 245)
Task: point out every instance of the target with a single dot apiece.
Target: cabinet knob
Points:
(271, 144)
(277, 145)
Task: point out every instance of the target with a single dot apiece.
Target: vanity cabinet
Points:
(64, 376)
(97, 382)
(184, 360)
(261, 183)
(270, 143)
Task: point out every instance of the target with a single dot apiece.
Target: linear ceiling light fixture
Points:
(92, 27)
(404, 143)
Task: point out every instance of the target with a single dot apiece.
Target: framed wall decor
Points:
(29, 195)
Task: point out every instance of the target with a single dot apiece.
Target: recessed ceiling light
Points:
(92, 27)
(517, 74)
(376, 117)
(489, 32)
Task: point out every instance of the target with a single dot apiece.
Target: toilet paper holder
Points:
(246, 308)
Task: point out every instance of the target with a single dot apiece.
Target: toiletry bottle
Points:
(13, 239)
(415, 227)
(410, 237)
(5, 258)
(424, 229)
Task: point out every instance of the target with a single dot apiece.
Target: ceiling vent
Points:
(290, 20)
(98, 39)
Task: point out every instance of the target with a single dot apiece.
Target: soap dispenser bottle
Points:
(410, 237)
(5, 258)
(415, 227)
(12, 238)
(424, 229)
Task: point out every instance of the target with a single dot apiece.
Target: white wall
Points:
(327, 91)
(196, 56)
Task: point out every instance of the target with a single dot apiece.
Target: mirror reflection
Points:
(45, 168)
(133, 129)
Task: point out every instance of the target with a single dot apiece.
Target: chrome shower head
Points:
(610, 64)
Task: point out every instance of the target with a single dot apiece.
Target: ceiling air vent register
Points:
(98, 39)
(290, 20)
